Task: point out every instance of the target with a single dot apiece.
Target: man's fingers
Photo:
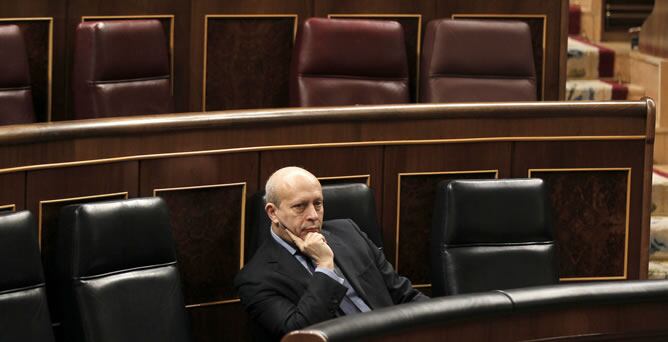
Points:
(296, 239)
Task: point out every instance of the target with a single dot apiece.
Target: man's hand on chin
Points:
(315, 247)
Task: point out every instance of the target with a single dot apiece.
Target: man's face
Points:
(301, 207)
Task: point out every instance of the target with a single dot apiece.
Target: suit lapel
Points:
(345, 261)
(280, 260)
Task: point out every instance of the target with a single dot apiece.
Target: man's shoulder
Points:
(339, 225)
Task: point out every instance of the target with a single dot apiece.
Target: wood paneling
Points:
(591, 214)
(589, 211)
(247, 61)
(13, 191)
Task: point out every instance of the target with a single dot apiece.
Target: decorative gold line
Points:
(49, 67)
(316, 145)
(390, 16)
(12, 207)
(499, 15)
(171, 18)
(421, 286)
(627, 219)
(398, 209)
(227, 301)
(368, 178)
(49, 95)
(39, 225)
(242, 226)
(591, 278)
(237, 16)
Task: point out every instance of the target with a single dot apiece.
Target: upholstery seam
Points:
(15, 88)
(355, 77)
(507, 295)
(499, 244)
(485, 76)
(30, 287)
(140, 268)
(163, 77)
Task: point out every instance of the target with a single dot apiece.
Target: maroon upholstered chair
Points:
(121, 67)
(477, 60)
(16, 105)
(349, 62)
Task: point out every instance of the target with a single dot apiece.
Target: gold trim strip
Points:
(172, 20)
(39, 224)
(49, 76)
(421, 286)
(227, 301)
(317, 145)
(629, 171)
(367, 176)
(499, 15)
(390, 16)
(236, 16)
(429, 173)
(242, 226)
(12, 207)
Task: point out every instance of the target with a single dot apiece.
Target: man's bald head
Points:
(283, 180)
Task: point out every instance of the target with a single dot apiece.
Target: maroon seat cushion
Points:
(121, 67)
(348, 62)
(16, 105)
(477, 60)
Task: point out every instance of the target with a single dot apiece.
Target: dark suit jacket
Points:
(280, 294)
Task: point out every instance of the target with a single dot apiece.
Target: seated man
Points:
(309, 272)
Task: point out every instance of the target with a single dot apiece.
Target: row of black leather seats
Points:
(486, 234)
(116, 272)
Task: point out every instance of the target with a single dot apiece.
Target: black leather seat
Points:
(24, 313)
(351, 200)
(492, 234)
(119, 273)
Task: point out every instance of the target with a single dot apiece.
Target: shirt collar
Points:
(282, 242)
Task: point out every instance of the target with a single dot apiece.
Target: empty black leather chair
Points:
(492, 234)
(24, 313)
(351, 200)
(16, 106)
(120, 281)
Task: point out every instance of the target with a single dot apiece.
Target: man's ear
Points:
(270, 208)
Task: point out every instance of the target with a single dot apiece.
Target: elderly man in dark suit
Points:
(309, 272)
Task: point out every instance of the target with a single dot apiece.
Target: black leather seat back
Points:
(492, 234)
(350, 200)
(121, 282)
(24, 313)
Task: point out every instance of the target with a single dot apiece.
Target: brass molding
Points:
(515, 16)
(295, 17)
(398, 208)
(147, 16)
(391, 16)
(242, 228)
(368, 178)
(628, 214)
(319, 145)
(49, 76)
(41, 206)
(8, 208)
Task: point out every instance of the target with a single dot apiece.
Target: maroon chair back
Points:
(16, 105)
(477, 61)
(121, 67)
(349, 62)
